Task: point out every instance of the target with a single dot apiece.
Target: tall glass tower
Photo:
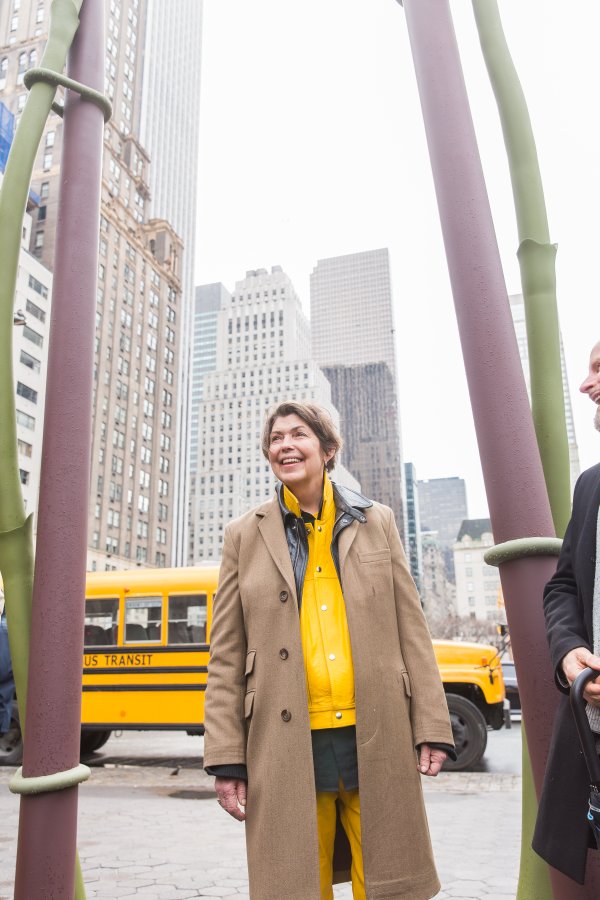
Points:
(353, 341)
(169, 129)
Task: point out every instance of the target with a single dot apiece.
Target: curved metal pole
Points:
(512, 469)
(48, 821)
(536, 258)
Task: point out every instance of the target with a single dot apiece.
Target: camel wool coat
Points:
(256, 710)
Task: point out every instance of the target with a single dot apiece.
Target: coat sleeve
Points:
(565, 626)
(224, 724)
(429, 710)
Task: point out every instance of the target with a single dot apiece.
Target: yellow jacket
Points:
(323, 624)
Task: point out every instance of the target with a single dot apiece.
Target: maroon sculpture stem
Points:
(48, 821)
(508, 449)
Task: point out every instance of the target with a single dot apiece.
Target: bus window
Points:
(142, 619)
(187, 619)
(101, 619)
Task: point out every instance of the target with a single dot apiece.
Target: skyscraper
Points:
(414, 548)
(263, 357)
(138, 317)
(353, 341)
(169, 130)
(210, 299)
(517, 308)
(443, 506)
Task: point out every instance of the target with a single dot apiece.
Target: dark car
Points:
(510, 683)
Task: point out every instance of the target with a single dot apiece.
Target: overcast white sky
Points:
(313, 146)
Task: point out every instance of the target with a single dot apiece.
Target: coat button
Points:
(286, 715)
(283, 596)
(283, 653)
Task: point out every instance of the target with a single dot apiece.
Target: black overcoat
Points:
(562, 834)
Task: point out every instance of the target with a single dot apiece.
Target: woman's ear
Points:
(328, 457)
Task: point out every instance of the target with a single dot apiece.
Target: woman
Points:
(317, 700)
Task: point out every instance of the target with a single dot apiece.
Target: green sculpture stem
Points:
(16, 544)
(537, 261)
(521, 548)
(56, 781)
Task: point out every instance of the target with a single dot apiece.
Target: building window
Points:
(45, 188)
(39, 242)
(33, 336)
(24, 476)
(30, 361)
(23, 390)
(37, 286)
(25, 420)
(36, 311)
(3, 71)
(47, 161)
(24, 448)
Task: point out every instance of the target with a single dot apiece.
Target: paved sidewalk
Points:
(151, 833)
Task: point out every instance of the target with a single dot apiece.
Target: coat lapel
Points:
(270, 525)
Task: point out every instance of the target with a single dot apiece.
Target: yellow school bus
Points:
(145, 658)
(145, 663)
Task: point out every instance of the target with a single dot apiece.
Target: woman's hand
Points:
(431, 760)
(231, 794)
(574, 663)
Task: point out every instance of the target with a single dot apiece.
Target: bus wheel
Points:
(11, 743)
(92, 740)
(469, 730)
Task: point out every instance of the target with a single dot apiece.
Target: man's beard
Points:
(597, 419)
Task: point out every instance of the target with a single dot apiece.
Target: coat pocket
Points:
(406, 680)
(376, 556)
(250, 655)
(248, 704)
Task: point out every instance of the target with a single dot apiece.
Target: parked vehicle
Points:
(145, 663)
(510, 682)
(474, 685)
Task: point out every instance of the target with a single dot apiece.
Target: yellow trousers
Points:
(326, 820)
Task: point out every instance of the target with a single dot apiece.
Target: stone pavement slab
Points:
(146, 832)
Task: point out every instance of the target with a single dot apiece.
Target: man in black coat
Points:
(562, 834)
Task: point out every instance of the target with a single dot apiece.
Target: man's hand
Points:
(574, 663)
(231, 794)
(431, 760)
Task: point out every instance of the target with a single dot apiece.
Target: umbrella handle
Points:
(587, 737)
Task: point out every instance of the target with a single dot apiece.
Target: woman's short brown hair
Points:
(316, 417)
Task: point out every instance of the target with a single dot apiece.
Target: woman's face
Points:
(295, 454)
